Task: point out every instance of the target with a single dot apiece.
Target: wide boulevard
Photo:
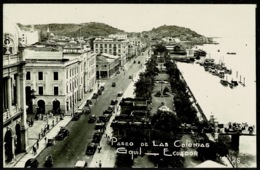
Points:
(67, 152)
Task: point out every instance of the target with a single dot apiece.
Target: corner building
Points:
(15, 129)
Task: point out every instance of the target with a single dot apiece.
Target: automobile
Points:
(79, 111)
(100, 125)
(88, 102)
(62, 134)
(97, 137)
(80, 164)
(48, 161)
(31, 163)
(111, 108)
(102, 88)
(107, 112)
(92, 118)
(51, 142)
(119, 94)
(95, 96)
(105, 117)
(91, 148)
(86, 110)
(113, 84)
(114, 102)
(99, 92)
(76, 116)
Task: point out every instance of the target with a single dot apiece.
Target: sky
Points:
(205, 19)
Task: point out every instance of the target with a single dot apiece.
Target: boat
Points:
(224, 82)
(231, 53)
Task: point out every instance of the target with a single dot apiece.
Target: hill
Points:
(185, 34)
(73, 30)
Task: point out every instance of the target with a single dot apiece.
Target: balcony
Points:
(14, 113)
(11, 60)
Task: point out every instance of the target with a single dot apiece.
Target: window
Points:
(119, 45)
(110, 45)
(105, 45)
(40, 90)
(96, 45)
(28, 75)
(67, 89)
(67, 74)
(40, 76)
(55, 75)
(56, 90)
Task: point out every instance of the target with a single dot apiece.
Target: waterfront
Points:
(226, 104)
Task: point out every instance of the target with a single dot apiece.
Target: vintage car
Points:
(91, 148)
(92, 119)
(31, 163)
(62, 134)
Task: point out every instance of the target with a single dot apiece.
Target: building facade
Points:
(30, 37)
(15, 129)
(107, 65)
(114, 47)
(59, 81)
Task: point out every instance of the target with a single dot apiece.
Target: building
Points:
(59, 79)
(15, 138)
(107, 65)
(30, 37)
(116, 47)
(171, 40)
(118, 36)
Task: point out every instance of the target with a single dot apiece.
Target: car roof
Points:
(80, 164)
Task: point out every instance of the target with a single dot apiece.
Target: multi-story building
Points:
(58, 78)
(118, 36)
(30, 37)
(107, 65)
(111, 46)
(15, 138)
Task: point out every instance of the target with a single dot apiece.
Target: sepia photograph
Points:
(129, 85)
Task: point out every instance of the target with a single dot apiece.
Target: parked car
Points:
(100, 125)
(80, 164)
(62, 134)
(97, 137)
(102, 88)
(120, 93)
(88, 102)
(51, 142)
(92, 118)
(91, 148)
(95, 96)
(113, 84)
(48, 161)
(31, 163)
(111, 108)
(113, 102)
(105, 117)
(99, 92)
(76, 116)
(86, 110)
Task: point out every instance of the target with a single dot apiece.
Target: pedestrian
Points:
(99, 148)
(100, 164)
(45, 139)
(34, 150)
(37, 144)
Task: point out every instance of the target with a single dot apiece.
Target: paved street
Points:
(67, 152)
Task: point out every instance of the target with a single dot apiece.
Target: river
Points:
(226, 104)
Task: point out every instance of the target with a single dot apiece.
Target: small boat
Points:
(224, 82)
(231, 53)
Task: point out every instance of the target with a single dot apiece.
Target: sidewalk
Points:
(33, 133)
